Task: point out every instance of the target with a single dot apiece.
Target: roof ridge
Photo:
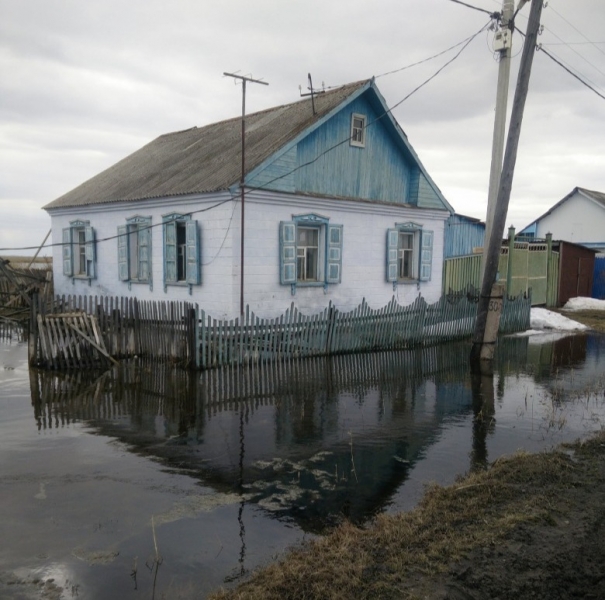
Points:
(354, 85)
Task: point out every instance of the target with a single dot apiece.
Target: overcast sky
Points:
(83, 84)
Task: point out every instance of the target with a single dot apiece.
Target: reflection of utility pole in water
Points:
(240, 512)
(483, 418)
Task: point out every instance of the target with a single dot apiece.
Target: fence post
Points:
(329, 327)
(32, 345)
(511, 249)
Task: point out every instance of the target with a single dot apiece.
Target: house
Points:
(577, 218)
(338, 207)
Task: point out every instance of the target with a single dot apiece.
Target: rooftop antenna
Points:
(312, 92)
(243, 175)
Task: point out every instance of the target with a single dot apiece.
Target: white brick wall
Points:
(363, 263)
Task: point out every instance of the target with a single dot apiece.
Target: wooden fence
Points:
(115, 327)
(179, 332)
(252, 339)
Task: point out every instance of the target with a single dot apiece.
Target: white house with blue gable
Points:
(338, 207)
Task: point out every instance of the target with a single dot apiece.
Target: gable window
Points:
(358, 130)
(409, 253)
(310, 251)
(134, 250)
(79, 255)
(181, 250)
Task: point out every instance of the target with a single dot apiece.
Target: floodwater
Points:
(149, 482)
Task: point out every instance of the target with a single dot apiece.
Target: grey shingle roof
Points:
(596, 196)
(204, 159)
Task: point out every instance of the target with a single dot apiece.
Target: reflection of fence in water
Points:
(141, 388)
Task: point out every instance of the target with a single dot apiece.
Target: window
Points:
(310, 251)
(358, 130)
(409, 253)
(181, 250)
(79, 250)
(134, 250)
(307, 254)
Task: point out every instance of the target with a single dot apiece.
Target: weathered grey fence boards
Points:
(119, 327)
(144, 387)
(251, 339)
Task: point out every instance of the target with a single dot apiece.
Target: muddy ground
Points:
(531, 526)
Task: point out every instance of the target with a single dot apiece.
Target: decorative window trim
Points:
(190, 257)
(422, 256)
(142, 245)
(358, 130)
(329, 259)
(82, 250)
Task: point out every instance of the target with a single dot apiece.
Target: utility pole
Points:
(243, 177)
(503, 44)
(483, 348)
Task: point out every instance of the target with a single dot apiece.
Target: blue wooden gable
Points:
(322, 161)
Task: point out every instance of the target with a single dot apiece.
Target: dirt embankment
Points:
(532, 526)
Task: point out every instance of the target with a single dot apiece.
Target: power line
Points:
(571, 72)
(415, 64)
(565, 67)
(115, 237)
(574, 27)
(389, 110)
(483, 10)
(464, 42)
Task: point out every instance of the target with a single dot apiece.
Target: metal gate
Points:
(598, 281)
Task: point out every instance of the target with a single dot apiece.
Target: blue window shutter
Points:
(334, 262)
(89, 237)
(170, 252)
(287, 252)
(193, 253)
(68, 268)
(123, 262)
(391, 254)
(144, 250)
(426, 255)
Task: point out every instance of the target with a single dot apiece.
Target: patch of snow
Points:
(542, 318)
(582, 303)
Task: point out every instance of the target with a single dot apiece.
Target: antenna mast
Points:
(243, 175)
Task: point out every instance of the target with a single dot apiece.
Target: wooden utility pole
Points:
(506, 182)
(503, 39)
(243, 177)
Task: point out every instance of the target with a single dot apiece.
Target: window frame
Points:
(191, 255)
(79, 244)
(329, 251)
(134, 251)
(358, 133)
(421, 250)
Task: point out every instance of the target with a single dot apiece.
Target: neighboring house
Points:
(577, 218)
(463, 236)
(337, 207)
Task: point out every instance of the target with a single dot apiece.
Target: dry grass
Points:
(595, 319)
(397, 555)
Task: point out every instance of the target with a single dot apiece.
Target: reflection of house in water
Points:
(310, 438)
